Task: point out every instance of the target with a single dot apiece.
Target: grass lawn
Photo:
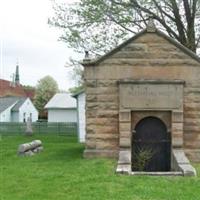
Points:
(60, 173)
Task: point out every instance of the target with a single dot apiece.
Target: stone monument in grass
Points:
(29, 130)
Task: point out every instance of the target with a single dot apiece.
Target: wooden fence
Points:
(39, 128)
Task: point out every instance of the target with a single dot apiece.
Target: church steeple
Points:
(17, 82)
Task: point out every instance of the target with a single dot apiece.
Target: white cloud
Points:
(25, 35)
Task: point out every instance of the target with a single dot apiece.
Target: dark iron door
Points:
(151, 144)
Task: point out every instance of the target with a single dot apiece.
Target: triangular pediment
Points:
(148, 45)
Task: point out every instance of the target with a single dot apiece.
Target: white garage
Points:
(62, 108)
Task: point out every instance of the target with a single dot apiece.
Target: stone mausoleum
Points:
(144, 94)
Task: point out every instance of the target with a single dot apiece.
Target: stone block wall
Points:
(149, 56)
(102, 118)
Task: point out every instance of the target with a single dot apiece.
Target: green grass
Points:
(60, 173)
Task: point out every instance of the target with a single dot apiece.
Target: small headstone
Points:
(29, 130)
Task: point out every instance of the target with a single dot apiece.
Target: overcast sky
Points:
(26, 36)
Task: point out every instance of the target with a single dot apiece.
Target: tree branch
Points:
(198, 42)
(179, 23)
(169, 30)
(163, 12)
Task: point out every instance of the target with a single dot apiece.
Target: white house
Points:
(17, 109)
(80, 97)
(62, 108)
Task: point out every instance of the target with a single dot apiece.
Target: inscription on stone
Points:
(151, 96)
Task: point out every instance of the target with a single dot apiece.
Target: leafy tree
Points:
(30, 91)
(28, 87)
(77, 89)
(45, 89)
(77, 72)
(99, 25)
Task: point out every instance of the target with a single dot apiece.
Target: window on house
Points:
(31, 117)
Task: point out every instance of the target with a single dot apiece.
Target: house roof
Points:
(6, 102)
(61, 101)
(6, 88)
(88, 62)
(19, 103)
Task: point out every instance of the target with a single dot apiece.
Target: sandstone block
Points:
(91, 98)
(90, 144)
(151, 39)
(177, 127)
(125, 62)
(107, 144)
(107, 83)
(177, 117)
(91, 105)
(106, 136)
(107, 121)
(193, 154)
(177, 142)
(91, 91)
(108, 113)
(125, 134)
(129, 54)
(125, 142)
(91, 121)
(107, 90)
(125, 126)
(91, 83)
(193, 122)
(107, 98)
(138, 47)
(192, 128)
(90, 128)
(192, 107)
(124, 116)
(108, 106)
(90, 113)
(192, 144)
(107, 129)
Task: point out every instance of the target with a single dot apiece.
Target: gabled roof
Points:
(88, 62)
(61, 101)
(19, 104)
(6, 102)
(6, 88)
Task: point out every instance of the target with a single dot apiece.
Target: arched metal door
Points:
(151, 146)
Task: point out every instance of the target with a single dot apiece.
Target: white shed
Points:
(62, 108)
(17, 109)
(80, 97)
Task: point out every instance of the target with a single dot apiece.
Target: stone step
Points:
(172, 173)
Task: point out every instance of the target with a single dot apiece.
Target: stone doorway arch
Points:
(151, 145)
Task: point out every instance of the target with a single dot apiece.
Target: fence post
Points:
(19, 127)
(58, 129)
(39, 128)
